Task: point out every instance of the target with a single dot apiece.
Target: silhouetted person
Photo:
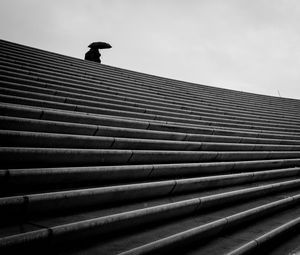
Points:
(93, 55)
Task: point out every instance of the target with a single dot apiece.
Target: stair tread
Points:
(132, 163)
(152, 233)
(234, 239)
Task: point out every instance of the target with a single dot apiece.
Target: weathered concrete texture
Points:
(130, 163)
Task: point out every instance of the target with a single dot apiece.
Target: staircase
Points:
(101, 160)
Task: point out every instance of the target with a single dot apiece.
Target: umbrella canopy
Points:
(100, 45)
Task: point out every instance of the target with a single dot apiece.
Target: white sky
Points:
(245, 45)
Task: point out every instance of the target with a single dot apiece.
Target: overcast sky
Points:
(245, 45)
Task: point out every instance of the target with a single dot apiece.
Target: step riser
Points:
(143, 116)
(120, 106)
(74, 199)
(207, 95)
(147, 164)
(210, 230)
(20, 124)
(256, 245)
(105, 225)
(40, 157)
(64, 91)
(44, 140)
(19, 178)
(38, 93)
(73, 117)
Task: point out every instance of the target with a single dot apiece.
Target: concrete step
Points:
(181, 82)
(133, 237)
(80, 198)
(21, 157)
(260, 243)
(248, 107)
(58, 94)
(142, 116)
(133, 101)
(106, 88)
(43, 126)
(102, 226)
(132, 163)
(58, 217)
(44, 113)
(61, 97)
(10, 138)
(16, 180)
(198, 108)
(209, 230)
(18, 157)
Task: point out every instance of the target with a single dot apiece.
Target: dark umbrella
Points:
(100, 45)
